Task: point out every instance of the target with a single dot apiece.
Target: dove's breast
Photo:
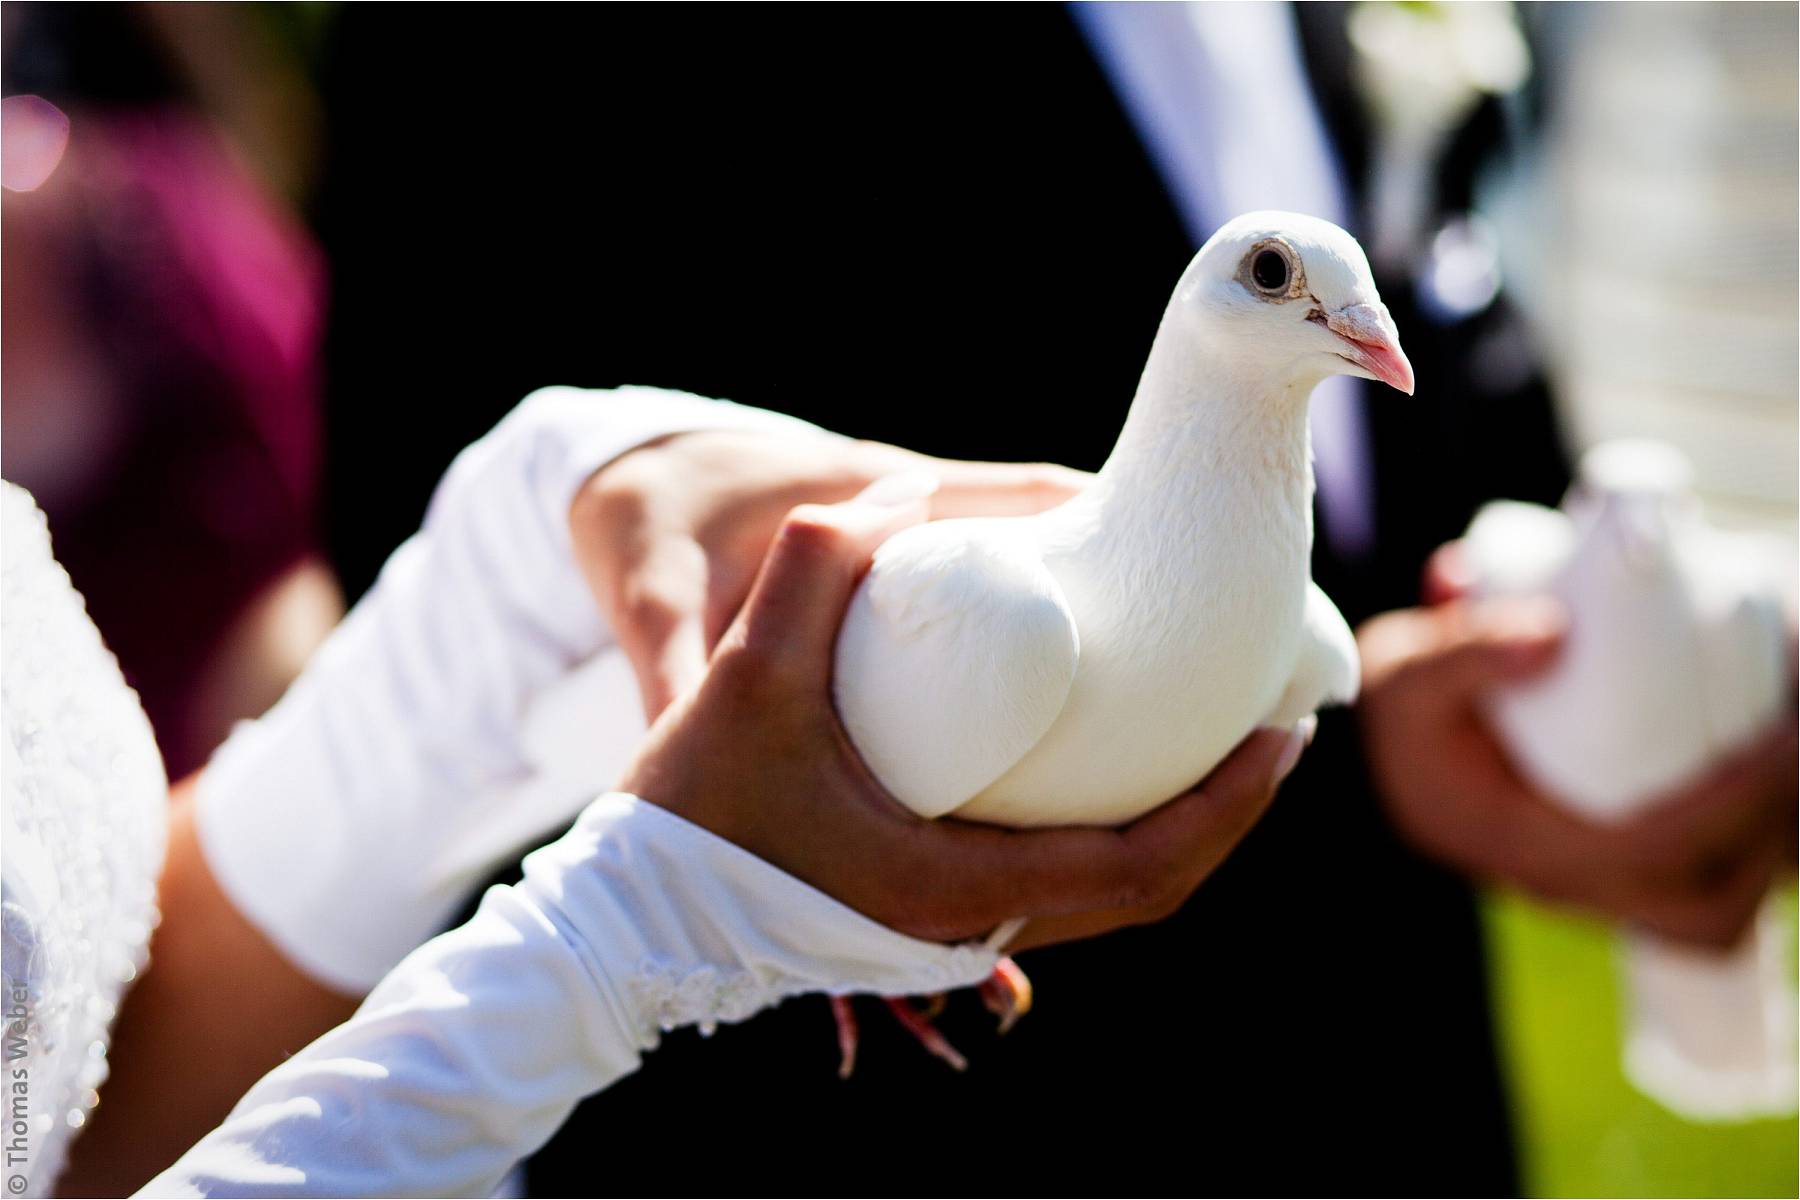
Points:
(1179, 661)
(1078, 667)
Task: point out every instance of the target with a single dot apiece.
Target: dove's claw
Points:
(917, 1024)
(1007, 993)
(845, 1016)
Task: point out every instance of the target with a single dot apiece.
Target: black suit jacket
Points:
(934, 227)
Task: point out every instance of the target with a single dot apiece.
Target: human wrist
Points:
(682, 926)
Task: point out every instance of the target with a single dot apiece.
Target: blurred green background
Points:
(1583, 1130)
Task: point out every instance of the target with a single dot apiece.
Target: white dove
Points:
(1083, 665)
(1676, 655)
(1088, 663)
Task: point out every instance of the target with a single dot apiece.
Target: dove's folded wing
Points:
(1328, 671)
(955, 658)
(1736, 582)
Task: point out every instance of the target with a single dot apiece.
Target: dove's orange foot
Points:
(1006, 993)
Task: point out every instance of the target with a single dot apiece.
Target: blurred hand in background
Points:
(1693, 867)
(163, 305)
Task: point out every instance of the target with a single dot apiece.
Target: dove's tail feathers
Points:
(1712, 1036)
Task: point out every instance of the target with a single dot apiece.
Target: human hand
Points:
(670, 535)
(755, 753)
(1692, 867)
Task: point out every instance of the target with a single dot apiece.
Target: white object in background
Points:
(1675, 656)
(1083, 665)
(1653, 241)
(1421, 70)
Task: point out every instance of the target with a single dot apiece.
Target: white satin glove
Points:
(350, 822)
(472, 1052)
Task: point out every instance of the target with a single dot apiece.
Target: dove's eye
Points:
(1272, 270)
(1269, 270)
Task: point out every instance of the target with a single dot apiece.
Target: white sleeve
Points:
(472, 1052)
(350, 822)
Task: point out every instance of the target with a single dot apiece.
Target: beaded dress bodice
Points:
(83, 803)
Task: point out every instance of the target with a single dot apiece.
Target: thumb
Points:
(1487, 642)
(660, 624)
(1448, 574)
(790, 620)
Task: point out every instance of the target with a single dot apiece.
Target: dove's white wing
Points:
(1736, 580)
(955, 658)
(1711, 1035)
(1328, 671)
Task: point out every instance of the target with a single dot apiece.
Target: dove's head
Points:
(1293, 296)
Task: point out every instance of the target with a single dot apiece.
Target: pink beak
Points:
(1372, 343)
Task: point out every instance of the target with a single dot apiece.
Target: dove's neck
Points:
(1215, 455)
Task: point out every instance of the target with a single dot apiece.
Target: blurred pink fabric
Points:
(33, 135)
(162, 325)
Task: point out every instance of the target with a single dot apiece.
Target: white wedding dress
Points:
(84, 827)
(339, 824)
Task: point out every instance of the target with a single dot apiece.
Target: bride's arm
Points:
(351, 822)
(649, 916)
(474, 1050)
(332, 836)
(218, 1007)
(304, 861)
(320, 847)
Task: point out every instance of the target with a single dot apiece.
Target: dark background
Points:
(921, 230)
(934, 227)
(939, 232)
